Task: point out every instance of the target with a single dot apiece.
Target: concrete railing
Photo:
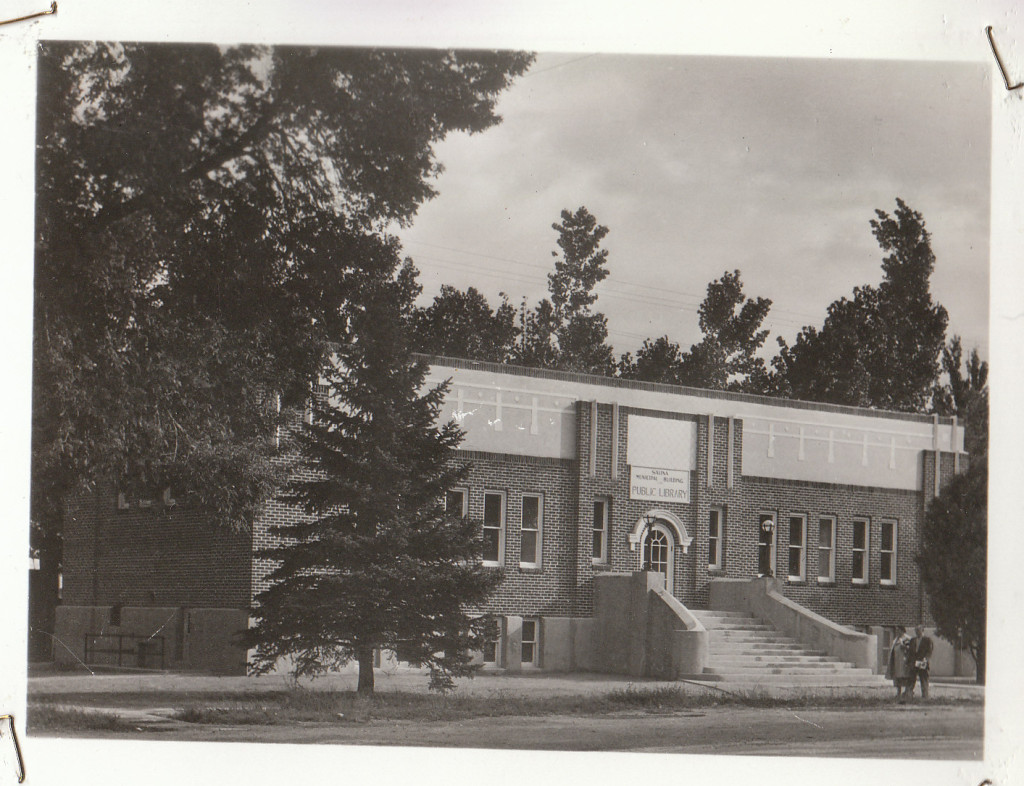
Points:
(761, 597)
(677, 644)
(641, 630)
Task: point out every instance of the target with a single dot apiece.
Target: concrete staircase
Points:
(747, 653)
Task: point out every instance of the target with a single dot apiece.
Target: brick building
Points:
(574, 477)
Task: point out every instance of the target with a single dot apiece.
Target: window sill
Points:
(795, 580)
(864, 583)
(889, 584)
(826, 581)
(713, 571)
(600, 566)
(531, 569)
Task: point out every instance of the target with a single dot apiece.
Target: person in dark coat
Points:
(920, 661)
(898, 667)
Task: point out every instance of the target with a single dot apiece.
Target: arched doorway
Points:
(658, 552)
(653, 540)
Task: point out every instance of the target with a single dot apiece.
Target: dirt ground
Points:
(914, 731)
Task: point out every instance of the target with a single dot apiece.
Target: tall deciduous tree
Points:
(881, 347)
(564, 332)
(953, 560)
(204, 215)
(380, 563)
(657, 360)
(725, 358)
(965, 394)
(463, 325)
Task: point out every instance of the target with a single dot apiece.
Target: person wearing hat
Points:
(920, 661)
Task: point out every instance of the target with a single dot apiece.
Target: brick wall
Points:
(162, 556)
(528, 591)
(151, 556)
(624, 513)
(871, 603)
(842, 601)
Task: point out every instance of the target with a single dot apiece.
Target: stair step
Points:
(775, 668)
(735, 625)
(750, 639)
(757, 648)
(753, 671)
(794, 681)
(761, 657)
(747, 652)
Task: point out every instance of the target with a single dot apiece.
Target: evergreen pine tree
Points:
(380, 563)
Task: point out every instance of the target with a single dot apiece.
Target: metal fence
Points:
(124, 649)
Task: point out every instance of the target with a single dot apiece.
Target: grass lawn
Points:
(68, 711)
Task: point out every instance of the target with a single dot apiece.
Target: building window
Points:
(319, 399)
(492, 645)
(533, 527)
(457, 501)
(797, 554)
(494, 527)
(767, 531)
(859, 555)
(887, 569)
(491, 651)
(657, 551)
(716, 520)
(529, 651)
(827, 548)
(600, 547)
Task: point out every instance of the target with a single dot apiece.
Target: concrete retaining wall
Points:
(193, 639)
(761, 598)
(641, 630)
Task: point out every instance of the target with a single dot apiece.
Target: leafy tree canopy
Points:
(953, 559)
(657, 360)
(204, 216)
(726, 357)
(463, 325)
(881, 347)
(563, 332)
(965, 394)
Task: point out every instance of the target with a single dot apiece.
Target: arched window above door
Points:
(668, 519)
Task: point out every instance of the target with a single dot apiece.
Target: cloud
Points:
(704, 164)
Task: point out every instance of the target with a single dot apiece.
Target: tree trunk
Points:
(364, 656)
(979, 664)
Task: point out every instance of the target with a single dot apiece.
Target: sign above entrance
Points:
(659, 485)
(661, 442)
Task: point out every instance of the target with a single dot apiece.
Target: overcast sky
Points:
(699, 165)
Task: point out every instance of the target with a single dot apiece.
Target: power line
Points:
(613, 294)
(610, 280)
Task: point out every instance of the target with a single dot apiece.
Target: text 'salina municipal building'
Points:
(580, 481)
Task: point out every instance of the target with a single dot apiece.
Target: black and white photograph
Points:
(435, 402)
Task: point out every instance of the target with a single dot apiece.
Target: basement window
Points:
(529, 652)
